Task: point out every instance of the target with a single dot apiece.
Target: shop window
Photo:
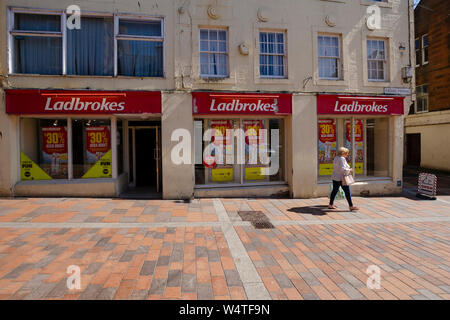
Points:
(422, 98)
(37, 42)
(213, 53)
(240, 151)
(140, 48)
(329, 57)
(424, 49)
(90, 48)
(376, 60)
(91, 140)
(218, 162)
(272, 54)
(369, 154)
(44, 149)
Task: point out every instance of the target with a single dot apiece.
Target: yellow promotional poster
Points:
(222, 174)
(101, 169)
(327, 146)
(325, 169)
(30, 170)
(256, 173)
(358, 168)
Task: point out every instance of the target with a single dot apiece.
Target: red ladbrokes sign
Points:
(337, 104)
(241, 103)
(81, 102)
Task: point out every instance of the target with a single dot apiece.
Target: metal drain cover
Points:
(257, 218)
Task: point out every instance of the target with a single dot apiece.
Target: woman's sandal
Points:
(331, 207)
(354, 208)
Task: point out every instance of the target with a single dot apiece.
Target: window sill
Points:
(330, 82)
(214, 80)
(368, 83)
(270, 80)
(387, 4)
(33, 75)
(361, 180)
(238, 185)
(67, 181)
(338, 1)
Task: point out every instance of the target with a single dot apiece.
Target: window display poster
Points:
(253, 171)
(359, 144)
(222, 174)
(54, 151)
(223, 138)
(327, 146)
(251, 137)
(98, 152)
(30, 170)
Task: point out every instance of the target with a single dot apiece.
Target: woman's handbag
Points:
(348, 180)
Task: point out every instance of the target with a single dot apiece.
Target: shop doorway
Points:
(144, 159)
(413, 149)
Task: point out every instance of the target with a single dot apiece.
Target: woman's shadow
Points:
(314, 210)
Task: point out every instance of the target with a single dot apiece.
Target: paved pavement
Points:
(155, 249)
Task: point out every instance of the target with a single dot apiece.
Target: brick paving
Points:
(155, 249)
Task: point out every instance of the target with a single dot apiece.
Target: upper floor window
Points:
(103, 46)
(140, 48)
(213, 53)
(376, 60)
(272, 55)
(37, 43)
(417, 47)
(90, 48)
(424, 49)
(329, 57)
(422, 98)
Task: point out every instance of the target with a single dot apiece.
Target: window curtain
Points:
(140, 58)
(33, 54)
(90, 49)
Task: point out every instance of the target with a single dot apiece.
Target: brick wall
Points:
(432, 17)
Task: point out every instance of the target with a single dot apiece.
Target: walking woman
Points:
(341, 169)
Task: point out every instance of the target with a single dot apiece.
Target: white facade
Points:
(300, 22)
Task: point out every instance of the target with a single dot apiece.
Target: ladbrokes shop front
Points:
(86, 143)
(201, 144)
(371, 127)
(240, 143)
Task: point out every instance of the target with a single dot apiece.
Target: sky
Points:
(416, 2)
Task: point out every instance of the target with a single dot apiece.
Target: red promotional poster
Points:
(251, 137)
(220, 133)
(54, 139)
(359, 144)
(54, 151)
(98, 139)
(358, 130)
(327, 130)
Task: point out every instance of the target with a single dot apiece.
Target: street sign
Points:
(397, 91)
(427, 185)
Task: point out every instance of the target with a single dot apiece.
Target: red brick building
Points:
(428, 125)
